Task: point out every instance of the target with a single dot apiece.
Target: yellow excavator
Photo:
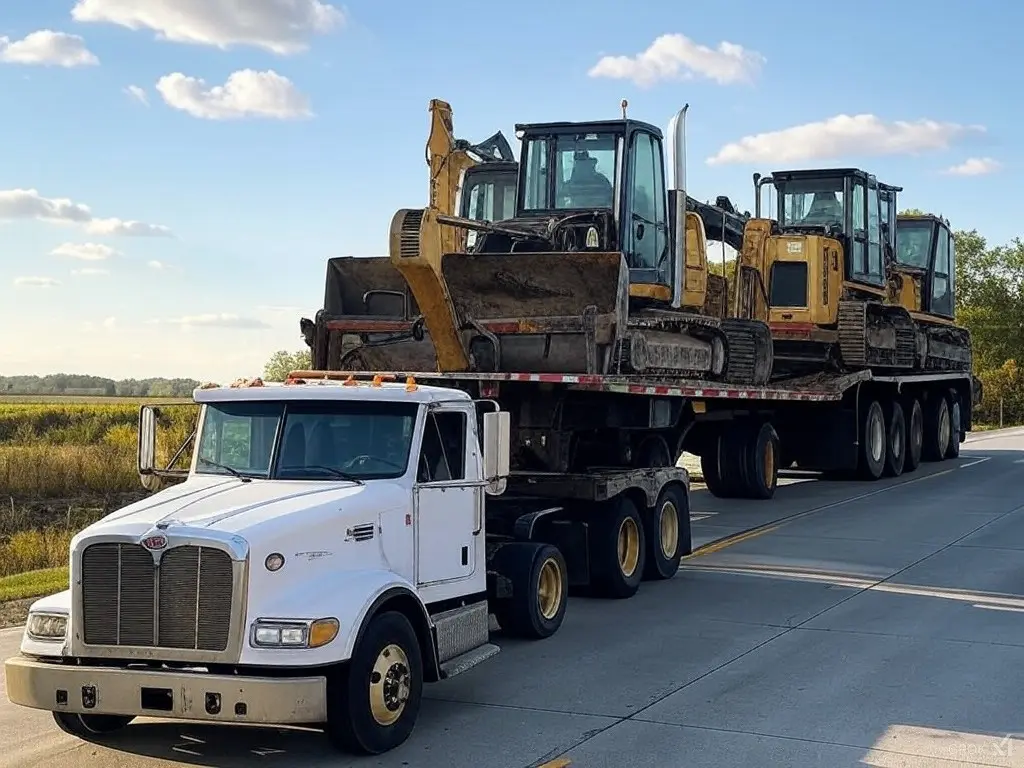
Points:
(824, 273)
(601, 269)
(367, 299)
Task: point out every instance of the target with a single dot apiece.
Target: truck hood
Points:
(232, 506)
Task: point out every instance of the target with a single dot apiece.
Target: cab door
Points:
(448, 501)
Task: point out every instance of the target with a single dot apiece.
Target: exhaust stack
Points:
(677, 201)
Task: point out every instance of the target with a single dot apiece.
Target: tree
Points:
(283, 362)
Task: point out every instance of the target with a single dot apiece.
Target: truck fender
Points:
(394, 593)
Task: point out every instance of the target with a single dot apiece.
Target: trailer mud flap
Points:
(543, 312)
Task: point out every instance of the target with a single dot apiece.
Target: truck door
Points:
(448, 506)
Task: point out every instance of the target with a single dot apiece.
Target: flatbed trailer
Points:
(855, 424)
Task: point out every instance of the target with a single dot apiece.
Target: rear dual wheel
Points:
(744, 462)
(540, 589)
(667, 533)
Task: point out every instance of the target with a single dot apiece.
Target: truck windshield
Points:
(306, 440)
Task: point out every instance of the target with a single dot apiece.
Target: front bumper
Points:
(151, 693)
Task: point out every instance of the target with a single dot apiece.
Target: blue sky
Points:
(240, 195)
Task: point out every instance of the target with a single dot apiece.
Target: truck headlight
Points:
(284, 633)
(47, 626)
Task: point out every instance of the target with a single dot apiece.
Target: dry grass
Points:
(65, 463)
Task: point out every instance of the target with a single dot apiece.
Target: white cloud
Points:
(974, 166)
(29, 204)
(138, 93)
(37, 282)
(48, 48)
(154, 264)
(281, 26)
(217, 320)
(840, 136)
(127, 228)
(677, 57)
(84, 271)
(110, 322)
(247, 93)
(84, 251)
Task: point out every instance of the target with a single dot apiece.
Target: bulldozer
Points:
(922, 281)
(601, 269)
(825, 274)
(368, 303)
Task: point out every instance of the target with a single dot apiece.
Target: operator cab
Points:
(925, 247)
(606, 181)
(847, 204)
(488, 193)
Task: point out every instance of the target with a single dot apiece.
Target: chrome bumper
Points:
(149, 693)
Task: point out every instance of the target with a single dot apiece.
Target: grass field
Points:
(64, 463)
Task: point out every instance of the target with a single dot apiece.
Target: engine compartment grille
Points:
(185, 603)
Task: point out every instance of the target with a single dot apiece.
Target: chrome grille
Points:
(184, 604)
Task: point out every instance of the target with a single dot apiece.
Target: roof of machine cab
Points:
(328, 389)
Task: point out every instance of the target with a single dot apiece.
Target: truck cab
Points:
(322, 557)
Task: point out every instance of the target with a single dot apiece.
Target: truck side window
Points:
(443, 455)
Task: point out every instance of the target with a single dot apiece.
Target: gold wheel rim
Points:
(769, 462)
(549, 589)
(390, 682)
(628, 546)
(669, 525)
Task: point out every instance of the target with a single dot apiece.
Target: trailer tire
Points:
(872, 435)
(955, 426)
(374, 699)
(88, 727)
(896, 440)
(667, 533)
(709, 469)
(617, 549)
(915, 434)
(540, 587)
(760, 462)
(937, 427)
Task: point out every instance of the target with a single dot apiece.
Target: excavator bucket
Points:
(368, 317)
(539, 312)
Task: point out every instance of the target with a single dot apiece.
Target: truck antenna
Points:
(623, 105)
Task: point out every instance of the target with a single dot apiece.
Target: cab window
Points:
(443, 453)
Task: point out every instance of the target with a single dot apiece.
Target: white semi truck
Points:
(333, 545)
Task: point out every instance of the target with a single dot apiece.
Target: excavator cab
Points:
(488, 193)
(602, 184)
(925, 265)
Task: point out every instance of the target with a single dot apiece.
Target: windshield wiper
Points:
(340, 474)
(226, 468)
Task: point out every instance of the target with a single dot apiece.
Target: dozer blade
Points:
(539, 312)
(368, 319)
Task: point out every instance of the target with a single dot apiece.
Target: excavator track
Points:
(872, 335)
(746, 346)
(946, 348)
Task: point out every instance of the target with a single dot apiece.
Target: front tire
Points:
(374, 700)
(90, 726)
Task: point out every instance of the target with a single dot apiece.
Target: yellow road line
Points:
(560, 762)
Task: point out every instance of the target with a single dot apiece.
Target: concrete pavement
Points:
(869, 624)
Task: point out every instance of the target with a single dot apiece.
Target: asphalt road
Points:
(872, 624)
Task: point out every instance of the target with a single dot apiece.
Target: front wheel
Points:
(374, 700)
(90, 726)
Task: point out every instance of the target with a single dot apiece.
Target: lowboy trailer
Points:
(333, 546)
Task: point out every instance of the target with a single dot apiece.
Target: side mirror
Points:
(497, 440)
(147, 440)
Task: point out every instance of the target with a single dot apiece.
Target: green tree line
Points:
(79, 384)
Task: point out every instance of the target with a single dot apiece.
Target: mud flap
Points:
(542, 312)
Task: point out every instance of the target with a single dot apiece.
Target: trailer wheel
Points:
(667, 533)
(937, 428)
(955, 426)
(374, 700)
(710, 470)
(896, 441)
(872, 442)
(915, 434)
(617, 549)
(90, 726)
(540, 586)
(761, 460)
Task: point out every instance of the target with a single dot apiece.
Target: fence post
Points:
(1000, 413)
